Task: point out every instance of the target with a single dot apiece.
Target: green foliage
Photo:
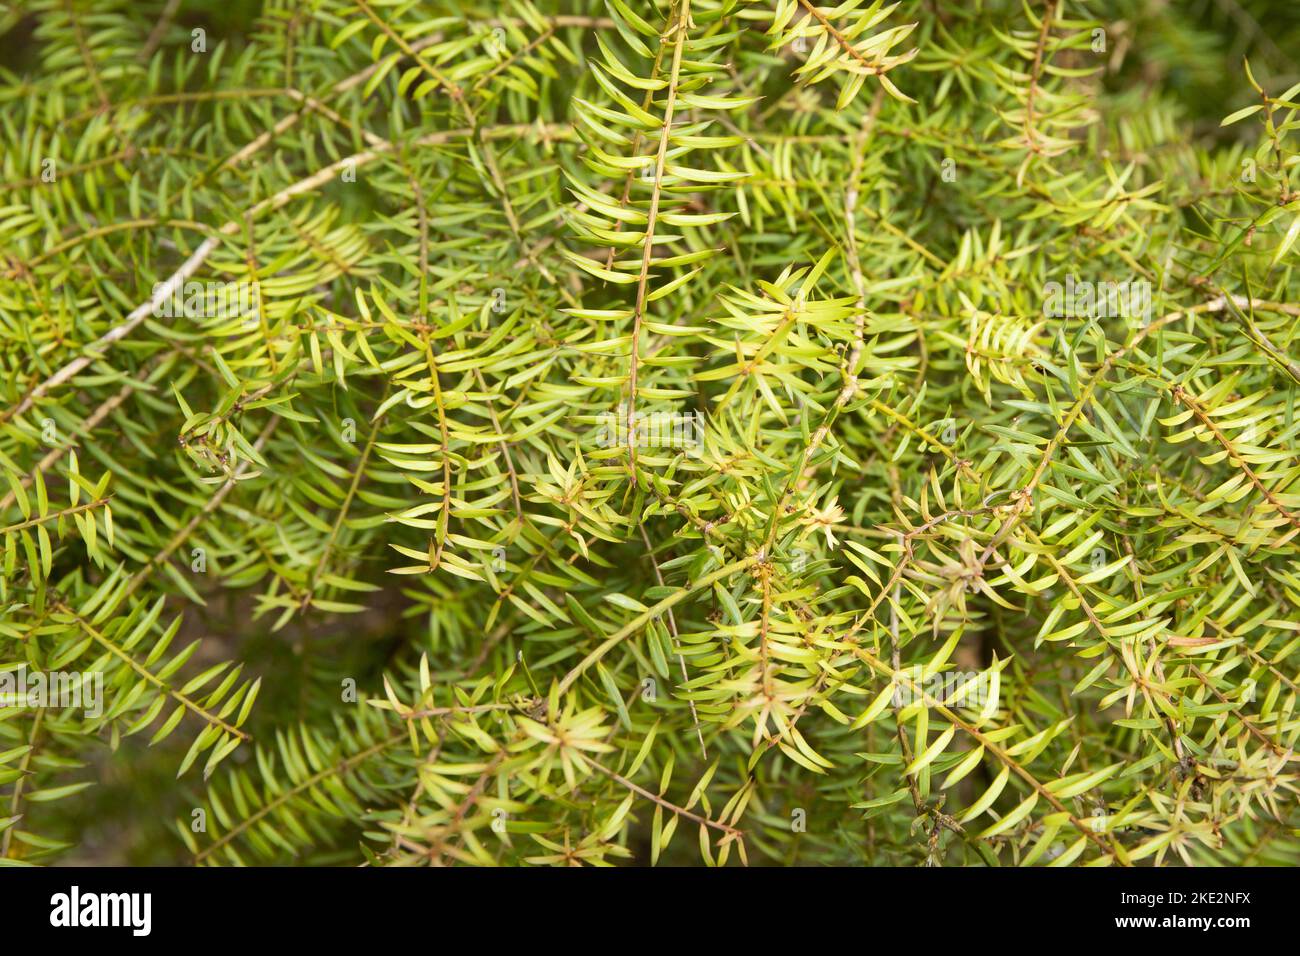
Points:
(678, 431)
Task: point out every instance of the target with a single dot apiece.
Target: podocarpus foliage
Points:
(678, 431)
